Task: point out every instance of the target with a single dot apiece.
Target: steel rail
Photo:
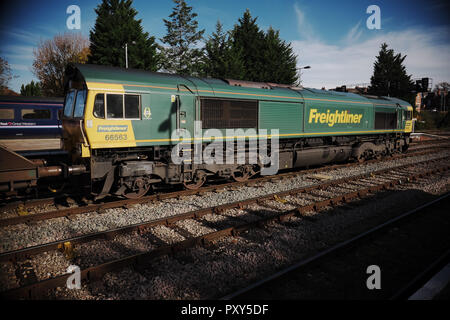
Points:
(338, 247)
(101, 207)
(26, 252)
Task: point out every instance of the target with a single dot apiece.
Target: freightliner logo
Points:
(331, 118)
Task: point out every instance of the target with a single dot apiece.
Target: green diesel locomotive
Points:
(123, 127)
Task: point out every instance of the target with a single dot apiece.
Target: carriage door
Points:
(186, 109)
(185, 122)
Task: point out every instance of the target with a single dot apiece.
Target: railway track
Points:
(313, 278)
(350, 188)
(85, 206)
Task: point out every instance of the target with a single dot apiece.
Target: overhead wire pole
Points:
(126, 53)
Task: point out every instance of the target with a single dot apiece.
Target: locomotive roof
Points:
(135, 78)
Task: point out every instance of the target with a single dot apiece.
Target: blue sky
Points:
(330, 36)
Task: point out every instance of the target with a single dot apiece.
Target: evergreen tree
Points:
(32, 89)
(279, 60)
(249, 40)
(180, 54)
(266, 58)
(222, 60)
(390, 77)
(116, 26)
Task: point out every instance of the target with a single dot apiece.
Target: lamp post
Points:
(126, 53)
(300, 73)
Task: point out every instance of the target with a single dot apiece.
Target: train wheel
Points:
(140, 188)
(243, 174)
(198, 181)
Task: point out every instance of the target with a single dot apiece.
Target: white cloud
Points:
(353, 34)
(351, 62)
(21, 35)
(304, 28)
(22, 52)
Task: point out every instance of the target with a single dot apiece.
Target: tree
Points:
(32, 89)
(5, 74)
(266, 58)
(116, 26)
(221, 59)
(180, 53)
(280, 62)
(390, 77)
(51, 58)
(249, 39)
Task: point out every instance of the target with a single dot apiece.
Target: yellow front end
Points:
(106, 132)
(409, 121)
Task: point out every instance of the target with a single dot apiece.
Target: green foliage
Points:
(249, 39)
(222, 60)
(179, 53)
(115, 26)
(427, 120)
(32, 89)
(263, 55)
(280, 63)
(390, 77)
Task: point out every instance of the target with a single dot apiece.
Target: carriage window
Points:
(68, 106)
(79, 104)
(99, 106)
(131, 106)
(36, 114)
(7, 114)
(114, 104)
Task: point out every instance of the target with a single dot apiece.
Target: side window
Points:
(114, 105)
(99, 106)
(68, 106)
(39, 114)
(131, 106)
(408, 115)
(79, 104)
(7, 114)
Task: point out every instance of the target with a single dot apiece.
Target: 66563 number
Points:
(116, 137)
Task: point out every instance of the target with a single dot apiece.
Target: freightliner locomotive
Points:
(118, 127)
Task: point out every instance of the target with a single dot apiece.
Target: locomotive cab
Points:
(74, 138)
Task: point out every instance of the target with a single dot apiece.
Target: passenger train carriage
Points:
(118, 123)
(30, 117)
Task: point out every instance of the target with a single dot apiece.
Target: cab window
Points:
(68, 106)
(119, 106)
(99, 106)
(114, 105)
(131, 106)
(79, 104)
